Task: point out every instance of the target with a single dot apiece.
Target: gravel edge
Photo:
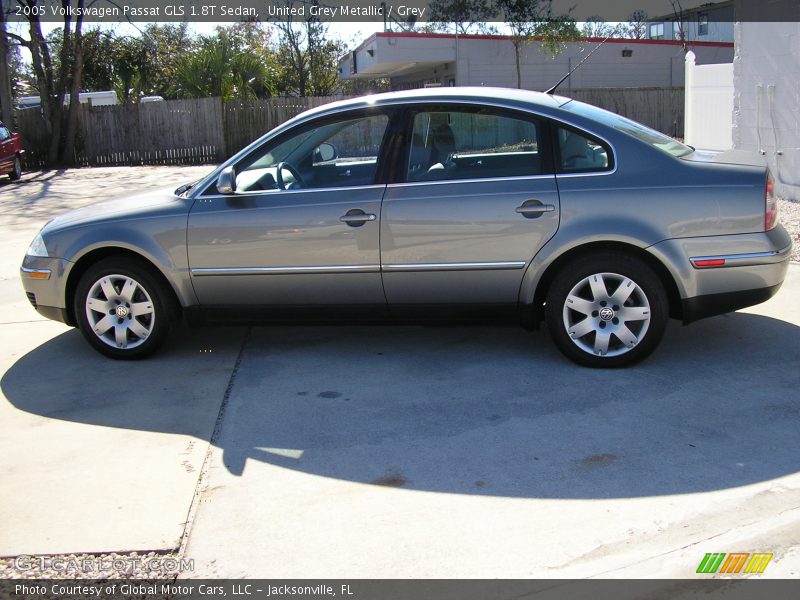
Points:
(111, 565)
(789, 216)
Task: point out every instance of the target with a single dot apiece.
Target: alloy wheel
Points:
(606, 314)
(120, 311)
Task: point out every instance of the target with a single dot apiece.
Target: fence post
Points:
(688, 98)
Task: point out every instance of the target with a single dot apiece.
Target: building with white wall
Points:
(413, 60)
(766, 100)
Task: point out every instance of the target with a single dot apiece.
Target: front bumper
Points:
(44, 281)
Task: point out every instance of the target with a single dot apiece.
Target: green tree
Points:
(307, 59)
(531, 20)
(57, 73)
(636, 27)
(596, 27)
(217, 68)
(466, 16)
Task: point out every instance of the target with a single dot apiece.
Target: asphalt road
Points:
(393, 451)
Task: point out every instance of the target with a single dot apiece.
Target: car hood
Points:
(159, 203)
(728, 157)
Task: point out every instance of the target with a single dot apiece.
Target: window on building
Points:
(677, 27)
(702, 24)
(656, 31)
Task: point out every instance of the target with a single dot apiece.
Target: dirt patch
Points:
(391, 479)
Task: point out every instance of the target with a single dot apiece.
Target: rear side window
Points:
(4, 134)
(579, 152)
(464, 144)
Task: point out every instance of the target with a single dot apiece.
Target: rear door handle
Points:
(531, 209)
(356, 217)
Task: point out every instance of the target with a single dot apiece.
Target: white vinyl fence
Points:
(708, 105)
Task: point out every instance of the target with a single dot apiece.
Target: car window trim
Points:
(389, 111)
(542, 129)
(295, 191)
(555, 124)
(401, 105)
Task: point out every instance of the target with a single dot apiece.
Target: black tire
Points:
(16, 173)
(148, 293)
(577, 280)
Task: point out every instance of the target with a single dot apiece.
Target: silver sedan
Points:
(446, 204)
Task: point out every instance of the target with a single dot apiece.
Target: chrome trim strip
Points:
(481, 180)
(203, 271)
(27, 272)
(348, 188)
(588, 173)
(465, 266)
(740, 257)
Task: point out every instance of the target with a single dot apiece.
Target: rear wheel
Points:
(16, 171)
(607, 311)
(122, 309)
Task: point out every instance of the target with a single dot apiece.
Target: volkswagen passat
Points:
(458, 204)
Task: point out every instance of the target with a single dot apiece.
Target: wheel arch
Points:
(93, 257)
(535, 312)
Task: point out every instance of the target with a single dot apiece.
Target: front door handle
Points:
(532, 209)
(356, 217)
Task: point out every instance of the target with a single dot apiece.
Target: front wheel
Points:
(122, 309)
(607, 311)
(16, 171)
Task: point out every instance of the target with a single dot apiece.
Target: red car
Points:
(10, 153)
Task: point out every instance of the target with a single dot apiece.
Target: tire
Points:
(122, 309)
(598, 328)
(16, 173)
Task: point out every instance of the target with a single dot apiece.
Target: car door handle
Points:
(532, 209)
(356, 217)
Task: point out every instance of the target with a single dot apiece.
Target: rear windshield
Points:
(640, 132)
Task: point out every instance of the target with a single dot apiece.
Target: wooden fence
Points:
(203, 130)
(208, 130)
(660, 108)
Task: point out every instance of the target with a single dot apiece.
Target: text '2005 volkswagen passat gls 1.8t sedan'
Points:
(429, 204)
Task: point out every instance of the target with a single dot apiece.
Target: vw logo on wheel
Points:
(122, 311)
(606, 313)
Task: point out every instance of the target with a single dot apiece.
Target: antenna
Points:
(552, 90)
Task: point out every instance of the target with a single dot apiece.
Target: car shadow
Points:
(482, 410)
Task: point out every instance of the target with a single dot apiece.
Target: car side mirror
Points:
(226, 182)
(325, 152)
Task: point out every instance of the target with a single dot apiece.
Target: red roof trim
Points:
(472, 36)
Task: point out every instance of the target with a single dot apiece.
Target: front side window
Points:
(4, 134)
(580, 153)
(474, 144)
(338, 153)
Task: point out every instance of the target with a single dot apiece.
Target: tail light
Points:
(770, 204)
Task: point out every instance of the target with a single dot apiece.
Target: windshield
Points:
(640, 132)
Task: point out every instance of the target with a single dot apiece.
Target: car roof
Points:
(493, 95)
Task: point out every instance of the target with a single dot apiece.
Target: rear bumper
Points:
(719, 274)
(710, 305)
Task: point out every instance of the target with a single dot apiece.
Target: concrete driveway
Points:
(395, 451)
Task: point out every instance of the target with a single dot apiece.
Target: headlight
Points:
(37, 247)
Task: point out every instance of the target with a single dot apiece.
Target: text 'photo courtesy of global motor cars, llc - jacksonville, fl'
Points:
(464, 200)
